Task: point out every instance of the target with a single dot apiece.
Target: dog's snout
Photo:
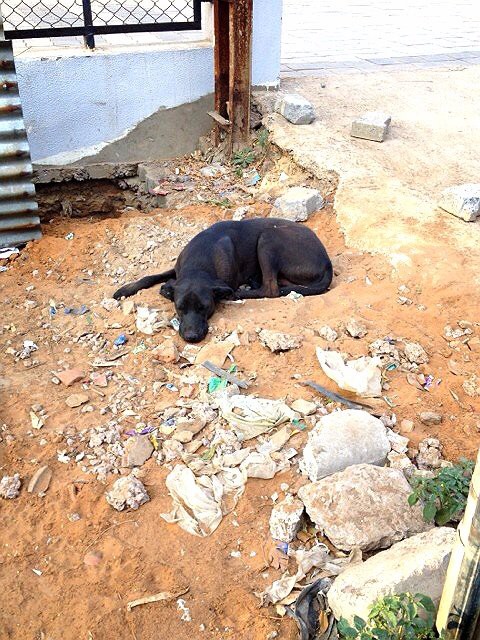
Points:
(191, 336)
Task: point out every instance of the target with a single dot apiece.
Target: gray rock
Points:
(364, 506)
(127, 492)
(327, 333)
(414, 352)
(304, 407)
(138, 450)
(462, 201)
(297, 204)
(355, 328)
(277, 341)
(10, 486)
(416, 565)
(429, 454)
(341, 439)
(431, 417)
(373, 125)
(295, 108)
(286, 519)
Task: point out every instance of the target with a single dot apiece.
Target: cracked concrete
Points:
(386, 201)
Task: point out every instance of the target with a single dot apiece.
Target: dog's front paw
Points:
(123, 292)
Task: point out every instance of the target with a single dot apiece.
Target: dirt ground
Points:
(65, 599)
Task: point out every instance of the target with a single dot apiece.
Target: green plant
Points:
(225, 203)
(242, 159)
(262, 138)
(444, 497)
(397, 617)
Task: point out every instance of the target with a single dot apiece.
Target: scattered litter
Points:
(70, 236)
(310, 613)
(52, 308)
(10, 487)
(37, 572)
(336, 397)
(2, 269)
(70, 376)
(294, 295)
(175, 323)
(156, 597)
(28, 348)
(121, 340)
(199, 504)
(216, 352)
(76, 400)
(361, 376)
(148, 322)
(181, 606)
(138, 348)
(37, 421)
(80, 311)
(226, 375)
(171, 387)
(40, 480)
(251, 416)
(7, 252)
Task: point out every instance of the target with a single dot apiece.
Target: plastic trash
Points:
(250, 417)
(199, 503)
(121, 340)
(361, 376)
(80, 311)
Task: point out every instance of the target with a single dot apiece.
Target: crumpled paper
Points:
(362, 376)
(250, 417)
(148, 322)
(306, 561)
(199, 503)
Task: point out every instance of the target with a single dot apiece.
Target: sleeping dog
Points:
(273, 256)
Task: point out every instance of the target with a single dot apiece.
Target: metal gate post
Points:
(88, 38)
(19, 220)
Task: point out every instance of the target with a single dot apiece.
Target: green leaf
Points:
(413, 498)
(359, 623)
(446, 514)
(429, 511)
(345, 630)
(426, 602)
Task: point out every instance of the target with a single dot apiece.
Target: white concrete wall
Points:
(75, 102)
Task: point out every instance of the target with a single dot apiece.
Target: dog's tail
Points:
(144, 283)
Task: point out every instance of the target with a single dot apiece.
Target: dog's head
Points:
(195, 301)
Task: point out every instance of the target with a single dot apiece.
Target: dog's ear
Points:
(167, 290)
(221, 291)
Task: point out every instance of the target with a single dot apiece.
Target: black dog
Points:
(273, 256)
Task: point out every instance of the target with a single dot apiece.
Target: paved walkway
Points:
(360, 35)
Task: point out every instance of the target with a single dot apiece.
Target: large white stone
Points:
(297, 204)
(416, 565)
(462, 201)
(341, 439)
(295, 108)
(364, 506)
(372, 125)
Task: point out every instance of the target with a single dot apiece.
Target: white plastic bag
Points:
(199, 504)
(362, 376)
(251, 416)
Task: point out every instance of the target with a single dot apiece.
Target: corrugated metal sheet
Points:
(19, 221)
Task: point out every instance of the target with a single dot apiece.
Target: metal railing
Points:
(53, 18)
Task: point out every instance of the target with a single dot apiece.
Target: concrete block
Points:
(462, 201)
(295, 108)
(416, 565)
(373, 125)
(297, 204)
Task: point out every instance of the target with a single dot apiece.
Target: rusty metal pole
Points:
(221, 17)
(241, 19)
